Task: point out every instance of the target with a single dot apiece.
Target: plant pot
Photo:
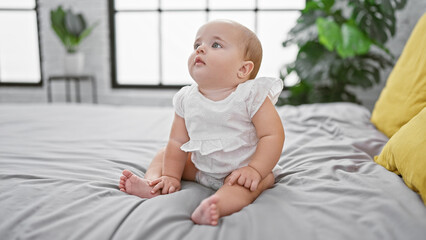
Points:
(74, 63)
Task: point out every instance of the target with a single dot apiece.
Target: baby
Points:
(226, 133)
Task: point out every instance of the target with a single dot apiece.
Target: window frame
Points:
(113, 63)
(28, 84)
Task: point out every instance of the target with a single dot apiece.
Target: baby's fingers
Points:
(248, 183)
(166, 189)
(172, 189)
(157, 187)
(154, 182)
(242, 180)
(254, 185)
(233, 177)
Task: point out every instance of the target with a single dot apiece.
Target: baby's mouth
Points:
(198, 61)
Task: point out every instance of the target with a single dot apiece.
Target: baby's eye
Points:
(196, 45)
(216, 45)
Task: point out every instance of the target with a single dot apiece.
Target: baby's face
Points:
(217, 55)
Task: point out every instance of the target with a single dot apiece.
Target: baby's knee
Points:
(162, 151)
(160, 154)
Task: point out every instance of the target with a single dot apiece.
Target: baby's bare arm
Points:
(174, 158)
(270, 132)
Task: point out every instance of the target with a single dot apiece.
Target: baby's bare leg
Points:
(228, 200)
(155, 167)
(132, 184)
(154, 170)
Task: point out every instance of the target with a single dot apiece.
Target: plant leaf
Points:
(377, 20)
(354, 42)
(328, 33)
(324, 5)
(86, 32)
(82, 20)
(57, 16)
(335, 51)
(69, 27)
(305, 30)
(57, 22)
(73, 23)
(300, 93)
(399, 4)
(313, 63)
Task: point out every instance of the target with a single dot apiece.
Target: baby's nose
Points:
(201, 49)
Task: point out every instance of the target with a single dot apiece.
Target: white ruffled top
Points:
(222, 135)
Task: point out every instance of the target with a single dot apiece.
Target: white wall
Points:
(97, 53)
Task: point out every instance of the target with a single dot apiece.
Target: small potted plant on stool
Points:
(71, 29)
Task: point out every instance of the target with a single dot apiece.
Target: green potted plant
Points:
(71, 29)
(341, 44)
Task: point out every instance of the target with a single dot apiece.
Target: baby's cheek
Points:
(191, 59)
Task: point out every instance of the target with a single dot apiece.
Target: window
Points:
(19, 43)
(152, 40)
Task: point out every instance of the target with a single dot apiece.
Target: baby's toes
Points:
(214, 215)
(127, 173)
(122, 184)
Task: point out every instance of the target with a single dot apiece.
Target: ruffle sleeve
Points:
(262, 88)
(178, 100)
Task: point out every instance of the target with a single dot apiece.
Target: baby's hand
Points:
(166, 184)
(247, 177)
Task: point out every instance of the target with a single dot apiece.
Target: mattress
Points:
(60, 165)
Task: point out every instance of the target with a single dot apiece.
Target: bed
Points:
(60, 165)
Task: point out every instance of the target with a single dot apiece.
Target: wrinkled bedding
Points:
(60, 165)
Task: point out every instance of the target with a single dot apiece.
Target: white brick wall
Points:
(97, 57)
(97, 61)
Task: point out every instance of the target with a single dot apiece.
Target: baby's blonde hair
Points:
(252, 48)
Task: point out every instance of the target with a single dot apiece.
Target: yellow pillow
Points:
(405, 92)
(405, 154)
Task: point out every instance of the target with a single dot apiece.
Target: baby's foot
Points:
(132, 184)
(207, 212)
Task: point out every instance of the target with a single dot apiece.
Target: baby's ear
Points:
(245, 70)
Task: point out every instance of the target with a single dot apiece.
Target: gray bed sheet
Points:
(60, 165)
